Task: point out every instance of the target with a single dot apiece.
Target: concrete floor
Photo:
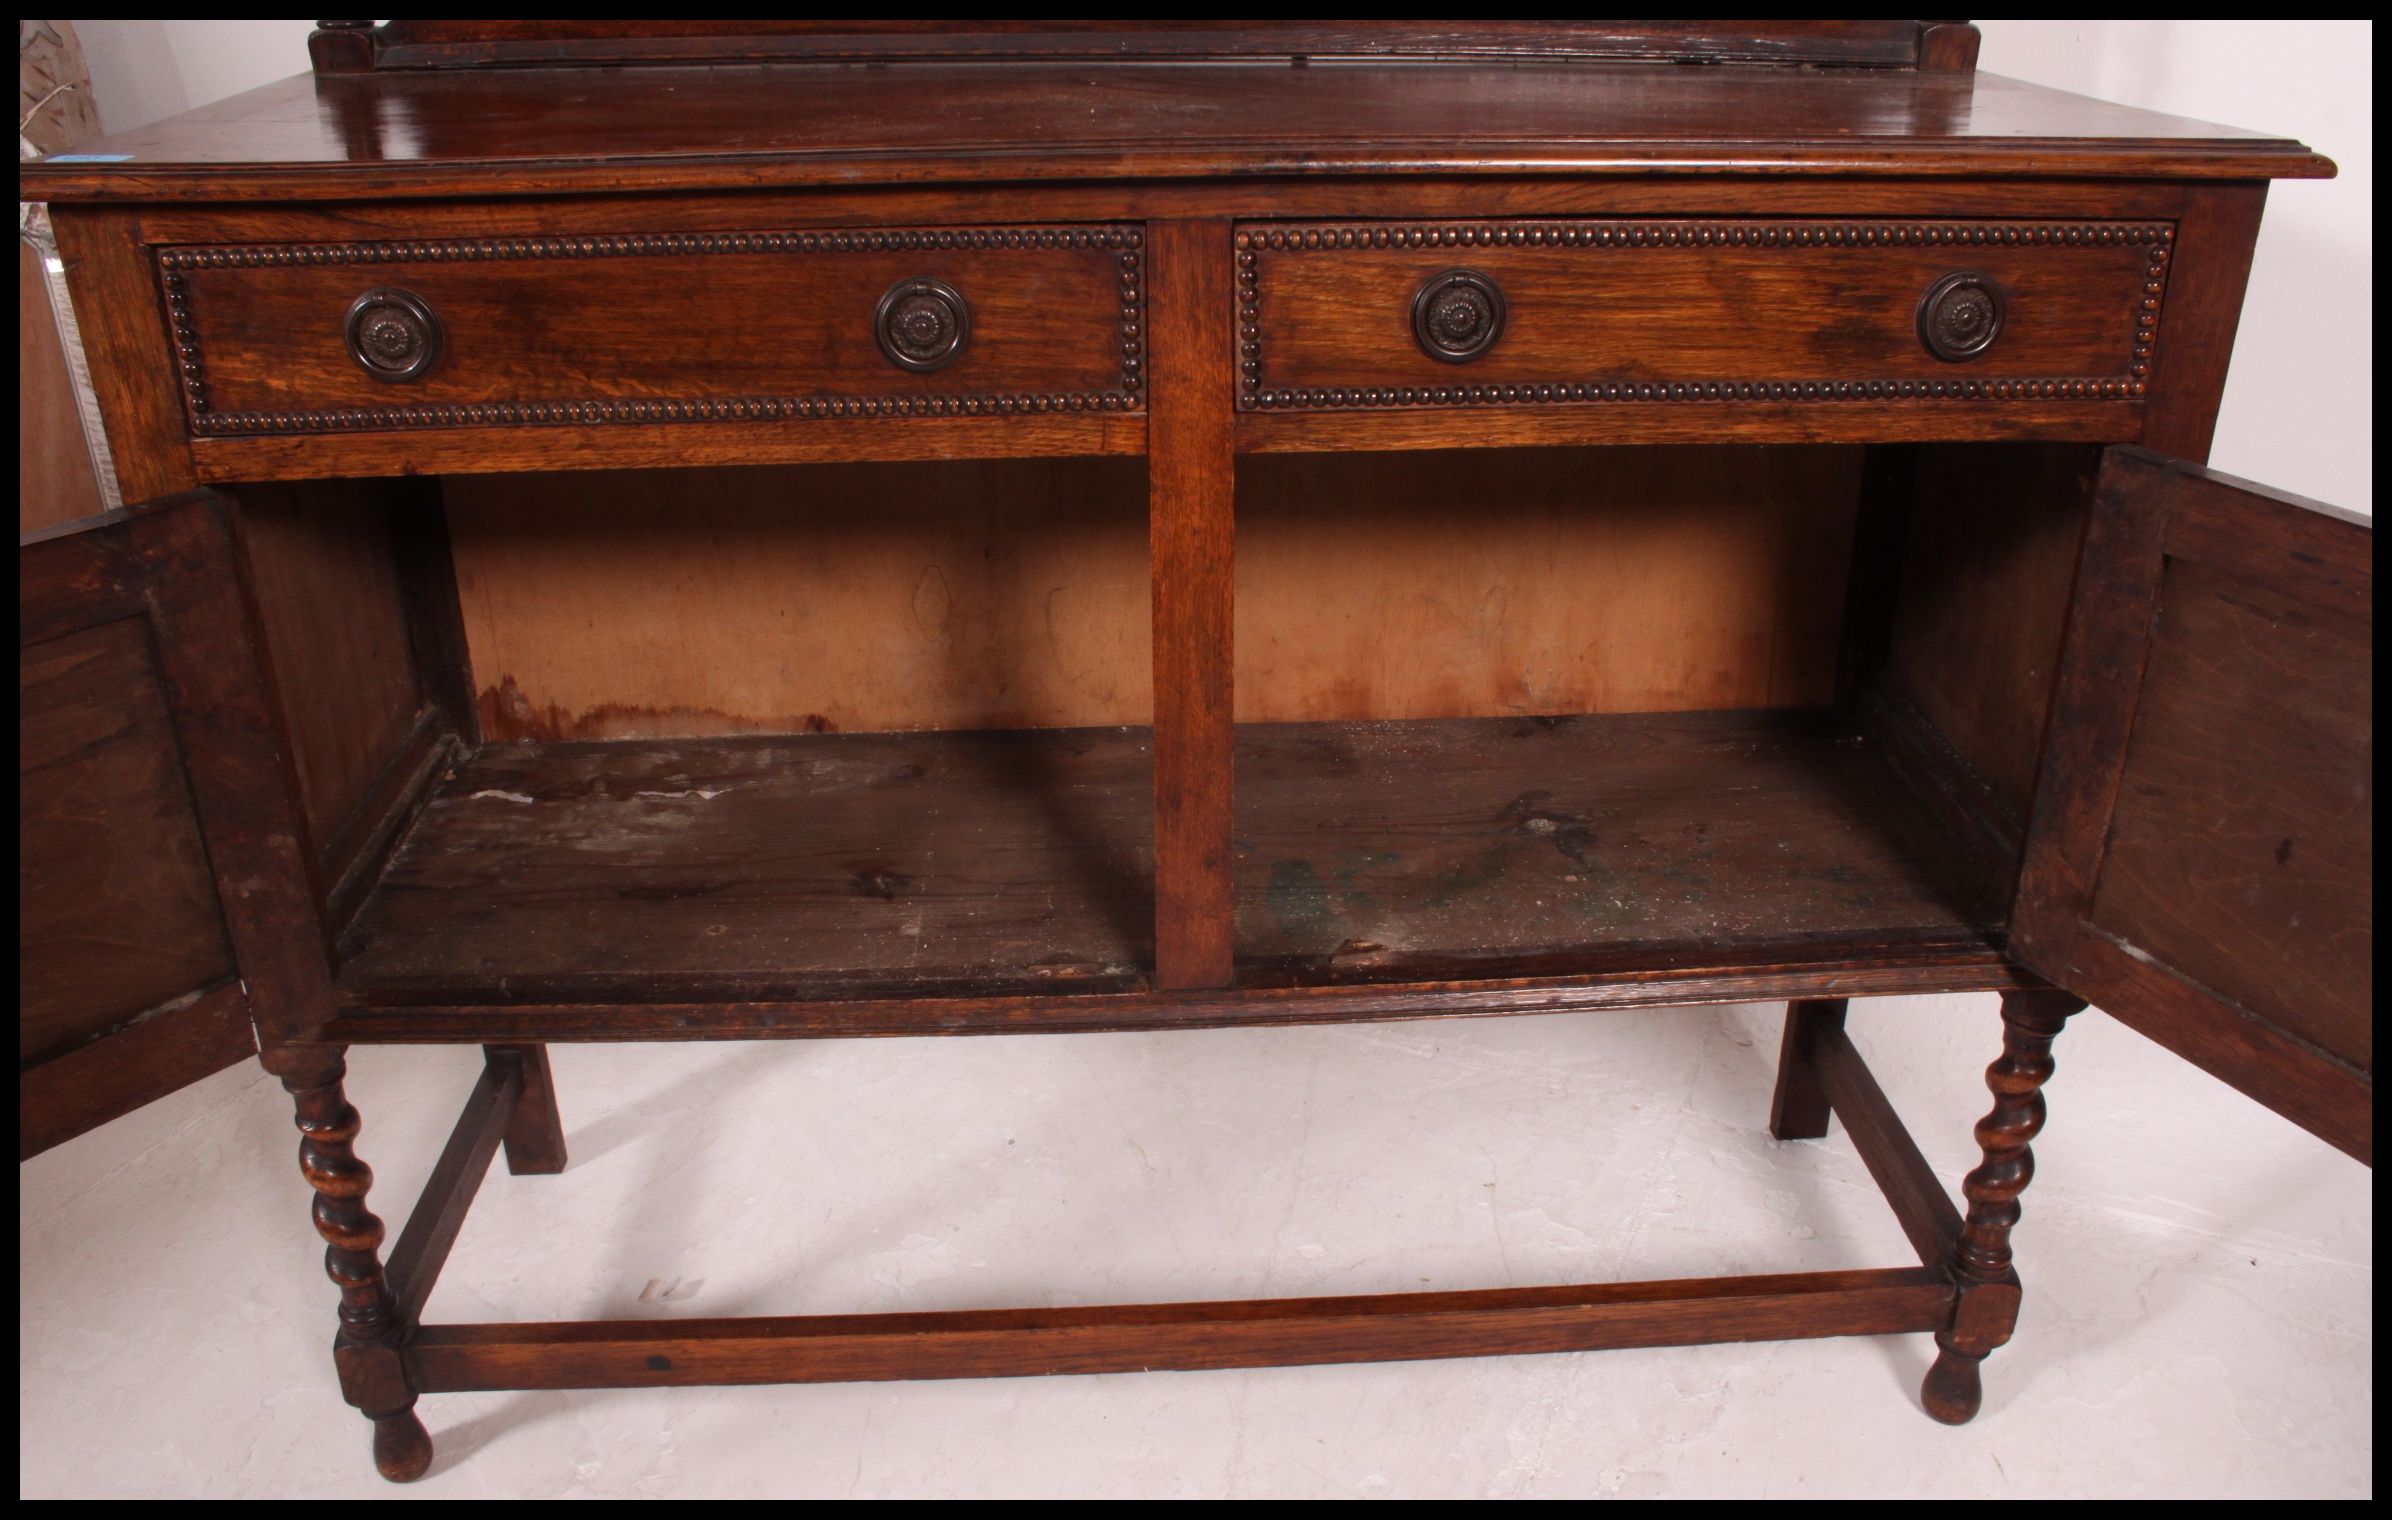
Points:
(2198, 1323)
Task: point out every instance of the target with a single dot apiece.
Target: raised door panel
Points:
(126, 981)
(2200, 859)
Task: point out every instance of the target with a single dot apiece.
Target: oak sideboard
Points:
(704, 531)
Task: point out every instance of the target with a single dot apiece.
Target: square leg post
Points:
(535, 1137)
(1799, 1110)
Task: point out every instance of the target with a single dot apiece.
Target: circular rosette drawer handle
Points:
(1960, 315)
(393, 334)
(922, 324)
(1457, 316)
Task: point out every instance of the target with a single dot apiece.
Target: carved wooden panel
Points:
(653, 328)
(1973, 313)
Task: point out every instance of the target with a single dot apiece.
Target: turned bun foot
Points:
(1954, 1391)
(402, 1447)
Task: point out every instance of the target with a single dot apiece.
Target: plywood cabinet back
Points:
(1014, 595)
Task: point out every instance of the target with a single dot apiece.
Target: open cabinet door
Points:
(127, 983)
(2199, 861)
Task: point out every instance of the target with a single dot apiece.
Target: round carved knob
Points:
(922, 324)
(1960, 316)
(1457, 316)
(393, 334)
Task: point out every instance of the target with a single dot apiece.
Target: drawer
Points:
(665, 327)
(1418, 314)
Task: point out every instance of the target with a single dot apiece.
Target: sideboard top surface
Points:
(575, 130)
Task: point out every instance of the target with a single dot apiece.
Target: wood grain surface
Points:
(1149, 1337)
(117, 911)
(621, 605)
(835, 866)
(324, 572)
(55, 479)
(2241, 852)
(569, 331)
(2200, 861)
(528, 132)
(1694, 303)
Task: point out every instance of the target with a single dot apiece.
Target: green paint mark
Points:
(1299, 901)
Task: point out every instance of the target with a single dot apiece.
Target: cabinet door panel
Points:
(2199, 864)
(147, 779)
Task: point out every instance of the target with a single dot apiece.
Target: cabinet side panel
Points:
(55, 483)
(325, 576)
(1993, 540)
(114, 285)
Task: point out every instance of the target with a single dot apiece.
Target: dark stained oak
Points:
(832, 867)
(2200, 862)
(156, 846)
(1603, 311)
(57, 480)
(550, 131)
(431, 1230)
(1191, 529)
(1991, 537)
(1894, 1161)
(1157, 1337)
(1387, 851)
(173, 1046)
(535, 1133)
(373, 1321)
(117, 913)
(1799, 1108)
(703, 499)
(774, 325)
(1980, 1255)
(1598, 984)
(322, 563)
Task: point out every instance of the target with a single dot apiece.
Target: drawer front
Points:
(637, 328)
(1415, 314)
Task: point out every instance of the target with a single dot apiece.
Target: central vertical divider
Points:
(1191, 473)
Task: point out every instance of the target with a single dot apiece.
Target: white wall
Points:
(2299, 401)
(2299, 406)
(145, 71)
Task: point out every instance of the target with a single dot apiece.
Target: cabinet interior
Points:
(880, 730)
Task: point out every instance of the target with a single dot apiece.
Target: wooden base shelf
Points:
(860, 876)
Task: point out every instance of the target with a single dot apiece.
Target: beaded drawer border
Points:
(2156, 238)
(191, 369)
